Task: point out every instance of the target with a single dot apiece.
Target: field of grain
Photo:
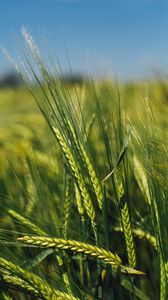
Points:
(83, 187)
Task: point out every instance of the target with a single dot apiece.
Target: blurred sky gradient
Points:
(124, 37)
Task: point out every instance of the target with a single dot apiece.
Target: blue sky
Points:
(124, 37)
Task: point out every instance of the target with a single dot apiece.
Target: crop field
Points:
(83, 187)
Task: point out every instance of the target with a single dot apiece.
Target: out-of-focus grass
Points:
(21, 123)
(23, 127)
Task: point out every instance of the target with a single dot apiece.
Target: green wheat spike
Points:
(94, 179)
(34, 281)
(163, 280)
(77, 175)
(79, 202)
(15, 282)
(90, 169)
(125, 218)
(80, 247)
(30, 188)
(89, 126)
(34, 228)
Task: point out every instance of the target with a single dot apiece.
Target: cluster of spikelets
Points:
(28, 282)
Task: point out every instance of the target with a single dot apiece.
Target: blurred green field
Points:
(23, 126)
